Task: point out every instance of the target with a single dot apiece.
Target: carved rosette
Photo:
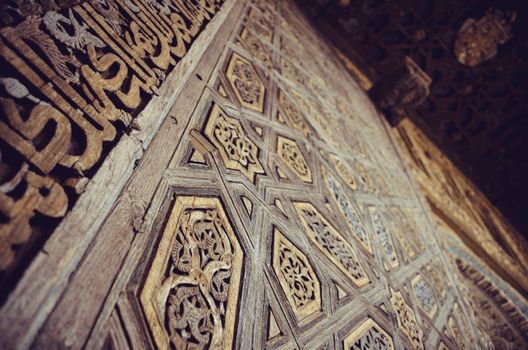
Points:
(291, 154)
(246, 83)
(191, 291)
(331, 243)
(236, 149)
(296, 277)
(369, 335)
(424, 295)
(407, 319)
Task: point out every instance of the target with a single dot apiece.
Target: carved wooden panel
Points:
(190, 293)
(262, 207)
(75, 80)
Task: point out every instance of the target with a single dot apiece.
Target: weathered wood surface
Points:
(256, 202)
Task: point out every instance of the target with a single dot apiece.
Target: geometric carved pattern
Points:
(407, 319)
(168, 241)
(347, 209)
(369, 335)
(331, 243)
(294, 117)
(424, 296)
(246, 83)
(290, 153)
(257, 49)
(385, 237)
(344, 170)
(69, 85)
(190, 294)
(236, 148)
(296, 276)
(456, 334)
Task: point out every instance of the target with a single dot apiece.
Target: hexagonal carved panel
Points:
(191, 291)
(384, 236)
(296, 277)
(246, 83)
(291, 154)
(347, 209)
(424, 295)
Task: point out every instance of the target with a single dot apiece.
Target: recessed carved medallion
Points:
(291, 154)
(384, 236)
(246, 83)
(236, 149)
(347, 209)
(293, 116)
(369, 335)
(296, 277)
(344, 171)
(424, 295)
(407, 319)
(257, 49)
(191, 291)
(331, 243)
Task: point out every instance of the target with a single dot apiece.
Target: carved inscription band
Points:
(72, 79)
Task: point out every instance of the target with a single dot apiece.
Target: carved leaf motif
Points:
(30, 30)
(60, 26)
(296, 276)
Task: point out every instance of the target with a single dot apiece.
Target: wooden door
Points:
(255, 200)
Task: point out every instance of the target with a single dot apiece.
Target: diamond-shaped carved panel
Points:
(191, 291)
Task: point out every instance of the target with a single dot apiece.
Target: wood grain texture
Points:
(291, 223)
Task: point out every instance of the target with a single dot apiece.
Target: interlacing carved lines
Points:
(191, 291)
(331, 243)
